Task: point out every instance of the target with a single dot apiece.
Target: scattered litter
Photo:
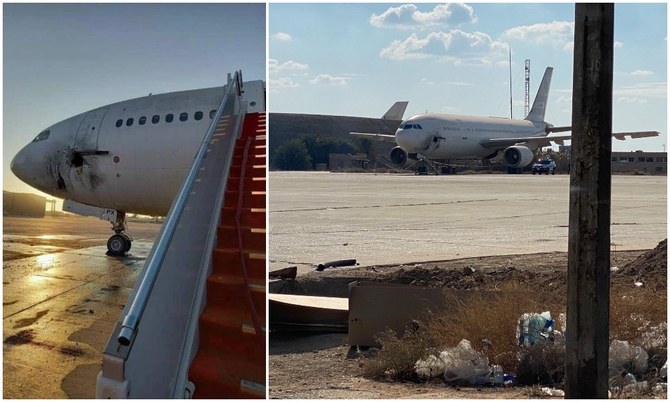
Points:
(660, 388)
(284, 273)
(614, 269)
(535, 327)
(463, 363)
(553, 391)
(338, 263)
(636, 387)
(664, 371)
(638, 283)
(429, 368)
(625, 358)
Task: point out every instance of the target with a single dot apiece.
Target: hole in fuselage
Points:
(77, 160)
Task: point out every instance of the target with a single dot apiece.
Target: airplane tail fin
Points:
(396, 111)
(540, 103)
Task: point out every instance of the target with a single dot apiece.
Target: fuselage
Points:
(447, 136)
(131, 156)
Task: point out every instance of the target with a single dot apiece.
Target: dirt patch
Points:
(21, 338)
(73, 351)
(307, 367)
(547, 271)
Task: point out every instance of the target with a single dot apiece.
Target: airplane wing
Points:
(379, 137)
(534, 142)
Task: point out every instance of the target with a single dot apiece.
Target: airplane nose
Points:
(405, 140)
(20, 165)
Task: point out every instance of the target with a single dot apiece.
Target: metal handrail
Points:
(132, 318)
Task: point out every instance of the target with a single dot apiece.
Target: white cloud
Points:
(628, 99)
(282, 37)
(461, 83)
(426, 81)
(290, 65)
(648, 90)
(408, 16)
(456, 46)
(329, 80)
(555, 33)
(283, 83)
(641, 73)
(618, 45)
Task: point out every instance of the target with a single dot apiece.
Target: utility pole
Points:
(587, 341)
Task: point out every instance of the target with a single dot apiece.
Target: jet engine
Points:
(518, 156)
(399, 157)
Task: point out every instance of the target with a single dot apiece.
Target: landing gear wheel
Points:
(129, 241)
(118, 244)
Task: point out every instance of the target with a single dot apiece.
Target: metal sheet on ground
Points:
(312, 313)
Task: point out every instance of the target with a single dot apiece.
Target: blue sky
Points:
(357, 59)
(63, 59)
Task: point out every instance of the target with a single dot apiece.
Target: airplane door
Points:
(87, 134)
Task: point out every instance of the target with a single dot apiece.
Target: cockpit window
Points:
(416, 126)
(42, 136)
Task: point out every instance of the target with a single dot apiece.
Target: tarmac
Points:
(383, 219)
(62, 296)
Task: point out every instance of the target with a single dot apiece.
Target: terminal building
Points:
(640, 162)
(636, 162)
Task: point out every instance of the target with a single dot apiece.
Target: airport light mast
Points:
(526, 104)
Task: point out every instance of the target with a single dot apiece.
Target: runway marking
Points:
(384, 206)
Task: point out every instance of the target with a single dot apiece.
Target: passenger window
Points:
(212, 113)
(119, 122)
(197, 116)
(129, 122)
(155, 119)
(169, 117)
(143, 120)
(42, 136)
(183, 116)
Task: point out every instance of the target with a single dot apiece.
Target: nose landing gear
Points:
(120, 242)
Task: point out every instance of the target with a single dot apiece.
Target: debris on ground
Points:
(462, 364)
(284, 273)
(553, 392)
(534, 327)
(334, 264)
(626, 359)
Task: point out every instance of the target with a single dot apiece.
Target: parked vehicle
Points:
(544, 165)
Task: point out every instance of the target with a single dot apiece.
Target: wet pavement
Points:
(395, 219)
(62, 296)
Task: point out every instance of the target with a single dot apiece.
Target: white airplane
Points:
(127, 157)
(445, 136)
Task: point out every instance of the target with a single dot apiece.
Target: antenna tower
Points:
(526, 103)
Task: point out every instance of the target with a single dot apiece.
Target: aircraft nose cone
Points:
(21, 166)
(405, 139)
